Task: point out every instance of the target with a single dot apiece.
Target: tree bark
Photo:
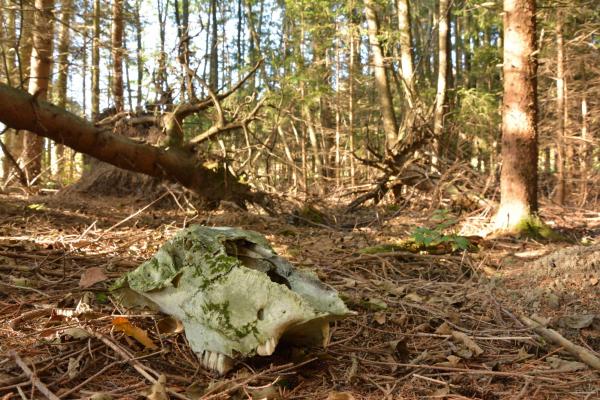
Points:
(213, 79)
(21, 110)
(390, 126)
(139, 56)
(10, 137)
(117, 54)
(41, 63)
(442, 76)
(96, 62)
(561, 113)
(406, 55)
(63, 71)
(518, 180)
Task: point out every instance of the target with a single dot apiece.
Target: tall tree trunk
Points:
(183, 56)
(587, 155)
(25, 43)
(64, 42)
(8, 42)
(353, 70)
(240, 20)
(24, 46)
(327, 122)
(96, 62)
(84, 57)
(560, 112)
(139, 53)
(213, 79)
(117, 54)
(406, 55)
(442, 76)
(41, 63)
(254, 30)
(390, 126)
(518, 180)
(10, 138)
(163, 95)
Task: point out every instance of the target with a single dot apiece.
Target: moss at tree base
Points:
(533, 227)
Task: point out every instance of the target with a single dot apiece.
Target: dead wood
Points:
(581, 353)
(19, 110)
(35, 381)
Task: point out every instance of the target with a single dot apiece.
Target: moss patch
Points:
(535, 228)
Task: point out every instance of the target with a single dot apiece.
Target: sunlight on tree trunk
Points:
(96, 62)
(117, 54)
(518, 182)
(406, 55)
(560, 112)
(442, 77)
(61, 83)
(8, 42)
(41, 63)
(213, 81)
(390, 126)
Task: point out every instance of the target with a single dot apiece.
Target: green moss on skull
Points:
(219, 317)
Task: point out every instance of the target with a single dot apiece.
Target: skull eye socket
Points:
(260, 314)
(176, 279)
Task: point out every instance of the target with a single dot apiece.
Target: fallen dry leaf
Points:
(399, 349)
(159, 389)
(92, 276)
(122, 324)
(559, 364)
(379, 317)
(468, 342)
(453, 360)
(377, 303)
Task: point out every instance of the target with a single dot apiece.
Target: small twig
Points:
(124, 355)
(550, 334)
(86, 381)
(24, 288)
(32, 376)
(280, 368)
(13, 323)
(142, 370)
(131, 216)
(13, 161)
(515, 374)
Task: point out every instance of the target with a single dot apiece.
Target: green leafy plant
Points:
(435, 236)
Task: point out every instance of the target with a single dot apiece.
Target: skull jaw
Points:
(311, 333)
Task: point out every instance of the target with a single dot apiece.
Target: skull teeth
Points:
(267, 348)
(216, 362)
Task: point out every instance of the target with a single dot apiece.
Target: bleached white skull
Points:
(234, 295)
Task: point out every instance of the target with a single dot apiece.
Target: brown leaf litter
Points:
(453, 326)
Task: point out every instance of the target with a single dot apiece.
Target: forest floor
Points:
(445, 326)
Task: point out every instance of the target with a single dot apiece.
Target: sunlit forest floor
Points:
(430, 324)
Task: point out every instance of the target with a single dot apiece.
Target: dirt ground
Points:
(443, 325)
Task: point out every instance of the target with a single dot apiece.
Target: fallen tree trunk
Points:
(22, 111)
